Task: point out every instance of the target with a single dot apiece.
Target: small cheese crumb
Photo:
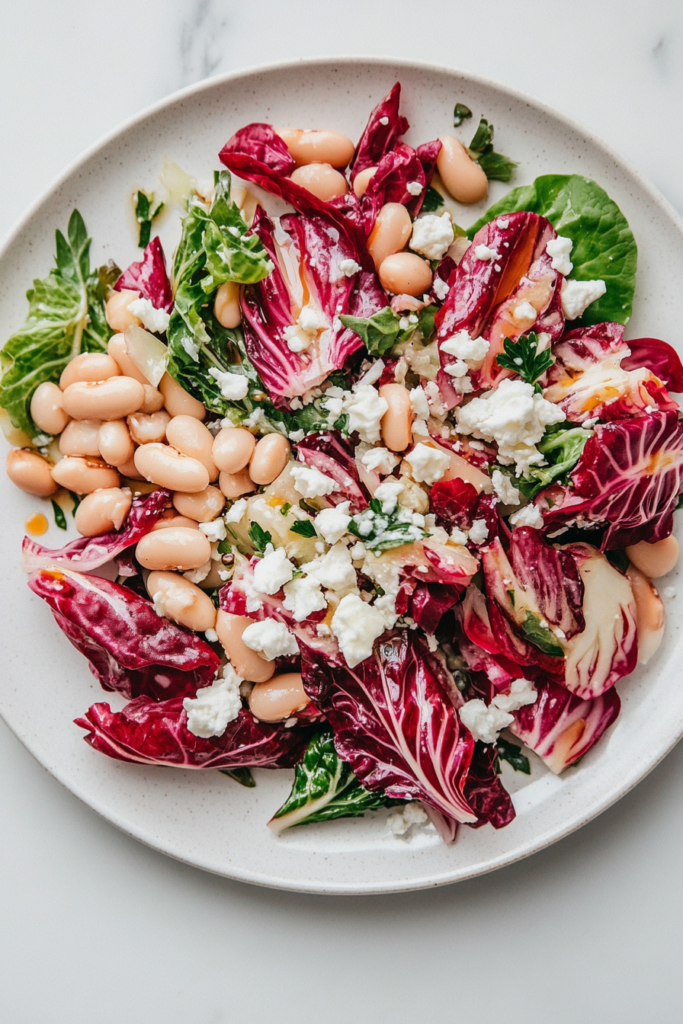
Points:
(524, 311)
(414, 187)
(384, 120)
(356, 625)
(332, 523)
(504, 489)
(214, 531)
(530, 515)
(482, 252)
(272, 571)
(270, 638)
(440, 288)
(522, 692)
(233, 386)
(365, 409)
(401, 821)
(381, 460)
(349, 267)
(303, 597)
(427, 464)
(155, 320)
(388, 493)
(311, 483)
(578, 295)
(484, 722)
(214, 706)
(479, 532)
(472, 351)
(236, 511)
(419, 403)
(432, 235)
(334, 571)
(559, 249)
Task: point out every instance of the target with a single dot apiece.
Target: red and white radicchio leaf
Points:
(148, 276)
(383, 130)
(658, 356)
(330, 453)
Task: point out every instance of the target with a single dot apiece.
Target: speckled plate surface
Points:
(205, 819)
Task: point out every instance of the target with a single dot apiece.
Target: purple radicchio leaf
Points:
(148, 276)
(485, 792)
(332, 454)
(383, 130)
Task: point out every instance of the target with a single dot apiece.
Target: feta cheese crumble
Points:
(233, 386)
(152, 319)
(504, 489)
(214, 706)
(530, 515)
(214, 531)
(272, 571)
(578, 295)
(332, 523)
(440, 288)
(311, 483)
(432, 235)
(484, 722)
(522, 692)
(427, 464)
(303, 596)
(356, 625)
(349, 267)
(419, 403)
(334, 571)
(299, 336)
(524, 311)
(559, 249)
(388, 493)
(414, 187)
(365, 409)
(482, 252)
(479, 531)
(271, 639)
(472, 351)
(401, 821)
(380, 460)
(236, 511)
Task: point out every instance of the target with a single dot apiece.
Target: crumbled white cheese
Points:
(311, 483)
(479, 531)
(214, 531)
(400, 821)
(471, 351)
(380, 459)
(190, 347)
(432, 235)
(198, 575)
(371, 375)
(334, 570)
(457, 369)
(504, 489)
(515, 417)
(578, 295)
(524, 311)
(214, 706)
(365, 409)
(440, 288)
(384, 120)
(233, 386)
(296, 435)
(484, 722)
(270, 638)
(388, 493)
(356, 625)
(272, 571)
(349, 267)
(530, 515)
(152, 319)
(458, 536)
(414, 187)
(303, 596)
(522, 692)
(559, 249)
(299, 336)
(419, 403)
(332, 523)
(236, 511)
(427, 464)
(482, 252)
(211, 635)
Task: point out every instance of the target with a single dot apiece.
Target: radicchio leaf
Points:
(659, 357)
(389, 184)
(384, 128)
(334, 456)
(88, 553)
(395, 722)
(430, 602)
(485, 792)
(149, 733)
(131, 649)
(148, 276)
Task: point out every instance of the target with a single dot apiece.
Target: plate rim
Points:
(527, 847)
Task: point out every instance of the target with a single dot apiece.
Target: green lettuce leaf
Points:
(540, 636)
(65, 317)
(379, 331)
(324, 788)
(604, 246)
(511, 753)
(145, 214)
(561, 446)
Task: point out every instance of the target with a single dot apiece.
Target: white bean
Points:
(165, 466)
(178, 548)
(102, 511)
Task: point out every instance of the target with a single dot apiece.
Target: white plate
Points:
(206, 819)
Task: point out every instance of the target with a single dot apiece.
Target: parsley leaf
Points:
(60, 518)
(522, 357)
(304, 527)
(511, 753)
(495, 166)
(379, 332)
(432, 201)
(380, 531)
(241, 775)
(285, 508)
(540, 636)
(259, 537)
(144, 214)
(460, 113)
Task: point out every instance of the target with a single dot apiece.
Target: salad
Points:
(359, 492)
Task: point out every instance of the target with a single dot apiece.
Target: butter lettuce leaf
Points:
(66, 316)
(604, 246)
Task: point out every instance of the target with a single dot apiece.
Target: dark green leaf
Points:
(511, 753)
(380, 532)
(425, 325)
(604, 246)
(60, 518)
(241, 775)
(483, 137)
(494, 165)
(540, 636)
(259, 537)
(561, 447)
(285, 508)
(460, 113)
(522, 357)
(76, 500)
(432, 201)
(379, 332)
(304, 527)
(325, 788)
(145, 214)
(619, 559)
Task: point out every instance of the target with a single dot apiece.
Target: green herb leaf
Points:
(540, 636)
(511, 753)
(224, 547)
(522, 357)
(604, 246)
(432, 201)
(285, 508)
(325, 788)
(304, 527)
(619, 559)
(380, 532)
(241, 775)
(495, 166)
(379, 332)
(65, 317)
(76, 500)
(145, 214)
(561, 446)
(60, 518)
(259, 537)
(425, 325)
(460, 113)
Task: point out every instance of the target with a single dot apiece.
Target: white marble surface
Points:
(97, 927)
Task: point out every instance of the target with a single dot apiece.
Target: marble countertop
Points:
(98, 927)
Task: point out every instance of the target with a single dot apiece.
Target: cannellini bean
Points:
(171, 521)
(181, 601)
(464, 179)
(119, 317)
(398, 419)
(654, 560)
(649, 614)
(203, 506)
(148, 428)
(362, 180)
(89, 366)
(129, 470)
(102, 511)
(118, 351)
(81, 437)
(234, 485)
(165, 466)
(47, 411)
(178, 401)
(31, 472)
(191, 437)
(83, 475)
(278, 698)
(232, 449)
(179, 547)
(115, 443)
(246, 663)
(321, 180)
(318, 147)
(226, 305)
(405, 272)
(154, 400)
(110, 399)
(390, 234)
(270, 457)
